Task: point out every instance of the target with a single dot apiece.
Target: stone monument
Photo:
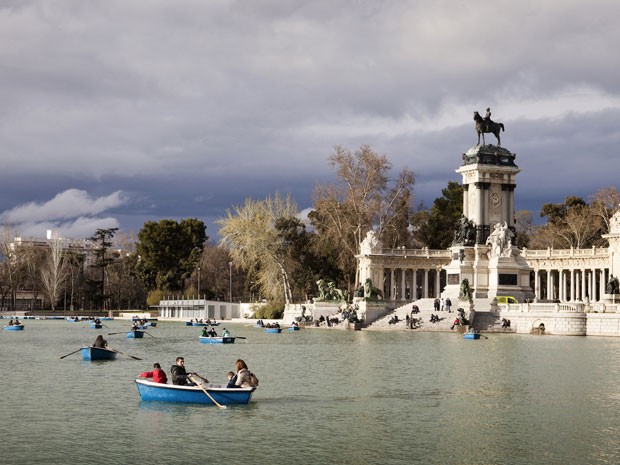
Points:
(483, 251)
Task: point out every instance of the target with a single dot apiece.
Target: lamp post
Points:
(199, 283)
(230, 281)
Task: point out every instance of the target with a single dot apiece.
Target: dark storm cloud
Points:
(184, 109)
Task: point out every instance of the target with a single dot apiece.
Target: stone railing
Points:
(544, 307)
(565, 253)
(424, 252)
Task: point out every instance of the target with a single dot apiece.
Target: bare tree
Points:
(365, 197)
(54, 272)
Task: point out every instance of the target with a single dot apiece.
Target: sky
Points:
(118, 112)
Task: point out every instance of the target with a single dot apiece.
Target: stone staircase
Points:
(426, 309)
(486, 318)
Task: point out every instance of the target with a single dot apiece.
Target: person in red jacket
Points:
(158, 375)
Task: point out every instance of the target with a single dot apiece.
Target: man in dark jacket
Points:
(179, 375)
(182, 377)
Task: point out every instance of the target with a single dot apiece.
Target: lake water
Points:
(325, 397)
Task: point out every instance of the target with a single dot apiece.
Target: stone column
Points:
(572, 285)
(414, 285)
(537, 284)
(403, 284)
(583, 284)
(437, 283)
(425, 290)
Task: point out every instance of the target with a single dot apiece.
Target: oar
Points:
(122, 353)
(112, 334)
(149, 334)
(74, 352)
(239, 337)
(207, 393)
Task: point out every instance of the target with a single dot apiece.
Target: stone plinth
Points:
(371, 310)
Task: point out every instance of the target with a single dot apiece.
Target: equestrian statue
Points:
(487, 125)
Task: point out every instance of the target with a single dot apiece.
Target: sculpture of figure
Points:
(465, 292)
(370, 244)
(500, 240)
(465, 232)
(322, 285)
(612, 285)
(487, 126)
(487, 116)
(329, 291)
(371, 292)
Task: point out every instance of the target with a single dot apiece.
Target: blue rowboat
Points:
(97, 353)
(217, 340)
(150, 391)
(293, 328)
(14, 328)
(107, 318)
(200, 324)
(471, 336)
(214, 324)
(188, 323)
(96, 325)
(137, 334)
(151, 323)
(273, 330)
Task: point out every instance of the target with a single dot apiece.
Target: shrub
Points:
(270, 310)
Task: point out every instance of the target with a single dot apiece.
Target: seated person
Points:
(158, 375)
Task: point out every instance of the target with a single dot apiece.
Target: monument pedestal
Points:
(488, 278)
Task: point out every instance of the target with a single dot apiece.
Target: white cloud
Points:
(73, 212)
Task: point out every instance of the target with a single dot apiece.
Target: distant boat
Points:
(150, 391)
(216, 340)
(471, 336)
(14, 328)
(293, 328)
(97, 353)
(96, 326)
(273, 330)
(150, 323)
(135, 334)
(106, 318)
(189, 323)
(200, 324)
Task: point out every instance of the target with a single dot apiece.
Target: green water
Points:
(325, 397)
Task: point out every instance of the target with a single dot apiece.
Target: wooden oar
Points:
(122, 353)
(74, 352)
(112, 334)
(206, 392)
(149, 334)
(238, 337)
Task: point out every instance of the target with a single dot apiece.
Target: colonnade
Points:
(412, 283)
(570, 285)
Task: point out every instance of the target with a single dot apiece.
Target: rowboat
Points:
(150, 391)
(293, 328)
(200, 324)
(96, 325)
(97, 353)
(189, 323)
(217, 340)
(273, 330)
(14, 328)
(135, 334)
(151, 323)
(471, 336)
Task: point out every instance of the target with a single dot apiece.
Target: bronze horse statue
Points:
(483, 125)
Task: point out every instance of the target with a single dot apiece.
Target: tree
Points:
(54, 272)
(103, 241)
(168, 252)
(571, 224)
(364, 198)
(605, 204)
(249, 233)
(435, 227)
